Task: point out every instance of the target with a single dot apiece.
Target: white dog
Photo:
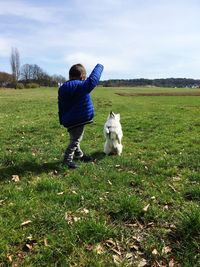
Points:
(113, 134)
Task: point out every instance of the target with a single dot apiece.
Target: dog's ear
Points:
(112, 114)
(118, 116)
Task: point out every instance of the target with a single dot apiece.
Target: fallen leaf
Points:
(137, 238)
(30, 237)
(2, 200)
(60, 193)
(9, 257)
(116, 251)
(94, 161)
(138, 224)
(135, 247)
(15, 178)
(26, 222)
(116, 259)
(129, 255)
(54, 172)
(172, 226)
(150, 224)
(176, 178)
(171, 263)
(21, 255)
(76, 219)
(110, 243)
(142, 263)
(85, 211)
(89, 247)
(146, 208)
(46, 242)
(173, 189)
(166, 250)
(132, 172)
(154, 252)
(140, 253)
(70, 218)
(29, 246)
(99, 249)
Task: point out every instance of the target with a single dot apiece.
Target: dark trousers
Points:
(73, 150)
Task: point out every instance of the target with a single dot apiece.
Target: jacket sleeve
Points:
(89, 84)
(60, 112)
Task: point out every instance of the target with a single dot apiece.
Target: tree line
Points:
(31, 75)
(168, 82)
(27, 75)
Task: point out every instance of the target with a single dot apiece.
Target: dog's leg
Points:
(118, 139)
(119, 149)
(107, 130)
(107, 149)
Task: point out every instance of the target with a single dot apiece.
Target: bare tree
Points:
(26, 72)
(15, 64)
(37, 72)
(58, 79)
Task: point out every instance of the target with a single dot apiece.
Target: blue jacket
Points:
(74, 101)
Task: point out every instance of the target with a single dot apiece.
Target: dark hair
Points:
(76, 72)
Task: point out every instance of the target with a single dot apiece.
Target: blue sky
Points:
(131, 38)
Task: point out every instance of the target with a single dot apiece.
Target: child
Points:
(76, 109)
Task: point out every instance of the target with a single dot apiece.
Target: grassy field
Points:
(140, 209)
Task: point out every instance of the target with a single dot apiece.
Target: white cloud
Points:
(5, 46)
(132, 38)
(90, 60)
(30, 11)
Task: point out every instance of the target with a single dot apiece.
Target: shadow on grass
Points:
(98, 155)
(28, 167)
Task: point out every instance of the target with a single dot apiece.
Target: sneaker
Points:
(85, 158)
(71, 164)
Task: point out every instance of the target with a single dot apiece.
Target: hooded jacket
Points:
(74, 102)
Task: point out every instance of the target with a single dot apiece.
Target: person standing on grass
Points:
(76, 109)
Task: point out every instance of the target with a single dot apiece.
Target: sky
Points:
(131, 38)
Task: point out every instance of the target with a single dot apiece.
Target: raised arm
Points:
(89, 84)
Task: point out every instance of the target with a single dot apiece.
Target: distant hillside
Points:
(168, 82)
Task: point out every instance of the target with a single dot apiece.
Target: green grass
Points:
(119, 211)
